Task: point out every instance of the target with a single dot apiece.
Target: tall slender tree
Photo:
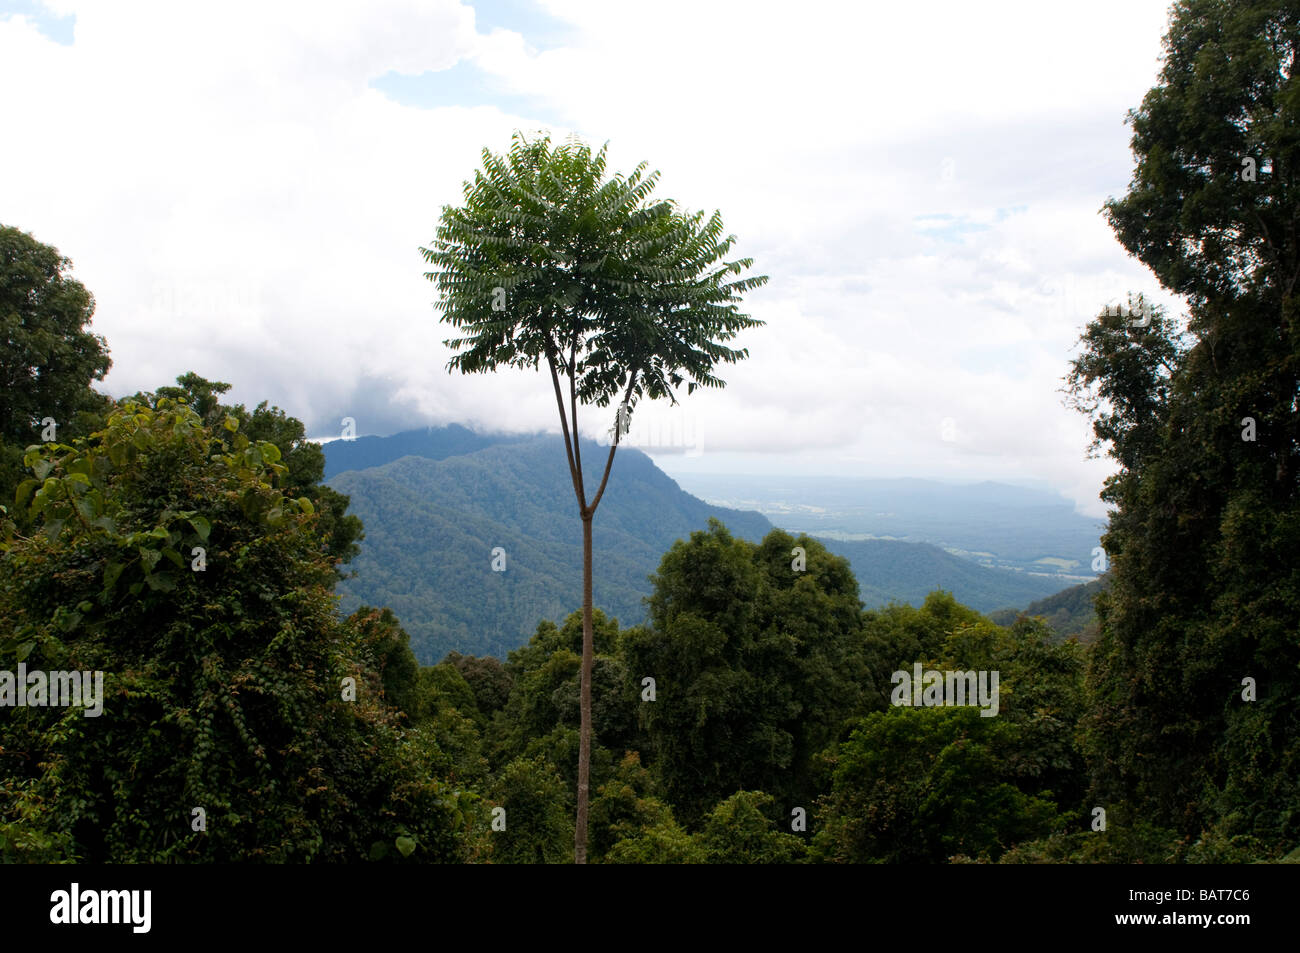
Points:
(548, 262)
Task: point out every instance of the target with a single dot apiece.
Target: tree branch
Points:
(618, 433)
(564, 425)
(573, 402)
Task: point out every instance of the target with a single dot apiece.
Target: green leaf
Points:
(111, 572)
(42, 468)
(201, 526)
(160, 582)
(306, 506)
(406, 845)
(24, 650)
(87, 508)
(25, 492)
(270, 452)
(230, 423)
(106, 524)
(149, 558)
(174, 556)
(52, 529)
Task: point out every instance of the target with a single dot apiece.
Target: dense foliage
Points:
(1195, 721)
(169, 560)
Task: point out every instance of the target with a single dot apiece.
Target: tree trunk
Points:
(584, 735)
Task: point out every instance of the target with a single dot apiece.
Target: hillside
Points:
(1069, 612)
(437, 501)
(431, 526)
(433, 443)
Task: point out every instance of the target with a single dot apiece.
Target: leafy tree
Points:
(49, 358)
(1204, 423)
(388, 652)
(487, 679)
(743, 830)
(541, 717)
(917, 785)
(757, 666)
(899, 635)
(169, 560)
(663, 842)
(549, 262)
(928, 784)
(624, 806)
(537, 829)
(303, 459)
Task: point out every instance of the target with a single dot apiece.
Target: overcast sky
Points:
(244, 187)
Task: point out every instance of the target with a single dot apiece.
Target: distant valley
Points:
(993, 524)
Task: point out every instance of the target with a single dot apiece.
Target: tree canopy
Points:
(49, 357)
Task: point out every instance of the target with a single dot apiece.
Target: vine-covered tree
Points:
(1195, 720)
(304, 459)
(169, 561)
(547, 262)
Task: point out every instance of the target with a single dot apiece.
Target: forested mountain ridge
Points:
(436, 502)
(1070, 612)
(432, 526)
(433, 443)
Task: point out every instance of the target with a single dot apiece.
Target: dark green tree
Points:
(1205, 589)
(757, 664)
(49, 358)
(549, 262)
(536, 827)
(541, 717)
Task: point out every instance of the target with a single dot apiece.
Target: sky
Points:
(245, 187)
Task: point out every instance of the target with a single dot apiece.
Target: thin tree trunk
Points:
(584, 735)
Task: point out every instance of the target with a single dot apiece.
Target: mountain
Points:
(433, 443)
(889, 570)
(1069, 612)
(437, 503)
(994, 524)
(432, 525)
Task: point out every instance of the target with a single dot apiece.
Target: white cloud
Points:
(922, 189)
